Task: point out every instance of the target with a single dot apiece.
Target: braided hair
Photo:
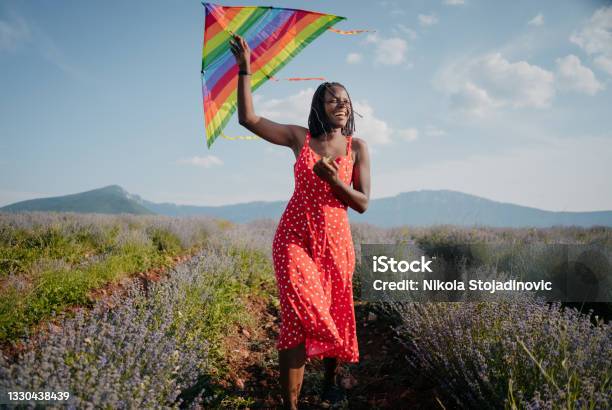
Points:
(318, 123)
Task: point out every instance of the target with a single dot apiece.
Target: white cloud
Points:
(389, 51)
(370, 128)
(393, 5)
(521, 84)
(603, 62)
(204, 162)
(372, 38)
(294, 109)
(572, 75)
(412, 134)
(427, 19)
(478, 85)
(472, 100)
(408, 134)
(537, 20)
(401, 28)
(432, 131)
(13, 33)
(595, 38)
(354, 58)
(454, 2)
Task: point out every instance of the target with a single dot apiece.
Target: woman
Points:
(313, 252)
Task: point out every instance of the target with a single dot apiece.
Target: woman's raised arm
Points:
(280, 134)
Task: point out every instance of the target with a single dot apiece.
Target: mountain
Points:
(108, 200)
(241, 213)
(417, 208)
(428, 207)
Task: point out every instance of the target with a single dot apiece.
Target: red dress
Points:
(314, 260)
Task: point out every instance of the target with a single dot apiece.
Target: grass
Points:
(21, 248)
(46, 268)
(53, 290)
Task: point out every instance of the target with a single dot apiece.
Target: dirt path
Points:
(378, 381)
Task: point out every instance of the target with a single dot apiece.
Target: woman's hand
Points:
(327, 169)
(241, 51)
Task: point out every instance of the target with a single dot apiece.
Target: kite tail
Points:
(350, 32)
(245, 137)
(296, 78)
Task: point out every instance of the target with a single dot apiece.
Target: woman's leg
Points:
(291, 362)
(330, 363)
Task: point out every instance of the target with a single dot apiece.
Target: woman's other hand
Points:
(241, 51)
(327, 169)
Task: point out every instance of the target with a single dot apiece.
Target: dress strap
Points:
(306, 145)
(307, 141)
(348, 146)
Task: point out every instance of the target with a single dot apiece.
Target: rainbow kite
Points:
(275, 36)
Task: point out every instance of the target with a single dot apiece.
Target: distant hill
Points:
(424, 208)
(108, 200)
(417, 208)
(243, 212)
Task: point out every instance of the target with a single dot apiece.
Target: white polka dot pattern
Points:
(314, 260)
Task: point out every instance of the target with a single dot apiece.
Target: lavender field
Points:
(164, 345)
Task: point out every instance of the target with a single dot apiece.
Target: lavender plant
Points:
(154, 344)
(524, 354)
(140, 354)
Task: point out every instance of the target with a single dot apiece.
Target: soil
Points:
(378, 381)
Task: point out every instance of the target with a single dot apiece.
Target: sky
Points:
(510, 101)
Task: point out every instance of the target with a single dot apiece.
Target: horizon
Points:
(501, 101)
(283, 200)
